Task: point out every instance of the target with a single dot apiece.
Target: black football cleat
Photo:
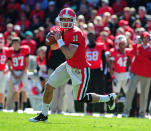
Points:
(39, 117)
(111, 104)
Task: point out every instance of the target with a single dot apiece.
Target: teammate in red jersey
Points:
(3, 70)
(18, 62)
(118, 57)
(95, 53)
(76, 67)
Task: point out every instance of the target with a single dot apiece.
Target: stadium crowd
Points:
(118, 36)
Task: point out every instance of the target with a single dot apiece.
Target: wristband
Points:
(60, 43)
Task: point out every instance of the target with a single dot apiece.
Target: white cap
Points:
(17, 27)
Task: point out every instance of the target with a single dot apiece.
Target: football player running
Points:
(18, 62)
(72, 44)
(3, 70)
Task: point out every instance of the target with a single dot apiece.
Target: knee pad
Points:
(87, 98)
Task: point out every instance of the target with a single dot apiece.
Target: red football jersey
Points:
(75, 36)
(3, 58)
(18, 58)
(94, 56)
(120, 60)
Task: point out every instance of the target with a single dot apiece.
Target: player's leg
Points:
(129, 96)
(24, 99)
(61, 99)
(80, 89)
(145, 85)
(54, 101)
(2, 88)
(57, 78)
(23, 91)
(16, 100)
(117, 84)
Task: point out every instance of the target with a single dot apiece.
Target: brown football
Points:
(50, 40)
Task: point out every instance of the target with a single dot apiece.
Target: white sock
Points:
(104, 98)
(45, 108)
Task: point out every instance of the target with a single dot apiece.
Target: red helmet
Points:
(67, 13)
(145, 34)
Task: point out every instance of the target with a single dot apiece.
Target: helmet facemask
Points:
(66, 24)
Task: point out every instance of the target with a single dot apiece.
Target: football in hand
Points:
(50, 39)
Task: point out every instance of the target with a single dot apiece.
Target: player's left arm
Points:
(68, 51)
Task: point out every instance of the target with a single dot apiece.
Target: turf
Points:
(19, 122)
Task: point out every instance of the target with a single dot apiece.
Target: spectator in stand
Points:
(40, 40)
(105, 8)
(148, 24)
(142, 15)
(113, 24)
(110, 36)
(17, 30)
(127, 16)
(36, 23)
(30, 42)
(28, 11)
(129, 40)
(8, 41)
(37, 12)
(92, 15)
(118, 6)
(98, 24)
(12, 10)
(103, 38)
(95, 56)
(136, 24)
(3, 70)
(51, 12)
(8, 31)
(106, 18)
(80, 19)
(84, 11)
(133, 12)
(23, 21)
(126, 27)
(90, 27)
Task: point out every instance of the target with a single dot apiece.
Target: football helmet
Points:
(145, 34)
(121, 39)
(67, 13)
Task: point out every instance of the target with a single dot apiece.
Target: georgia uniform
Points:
(76, 68)
(120, 74)
(18, 63)
(94, 56)
(3, 76)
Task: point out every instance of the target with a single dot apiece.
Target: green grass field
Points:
(19, 122)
